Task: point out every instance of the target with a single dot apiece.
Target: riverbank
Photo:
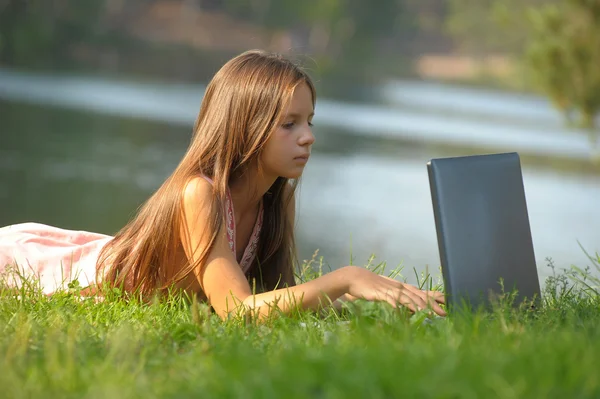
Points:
(403, 119)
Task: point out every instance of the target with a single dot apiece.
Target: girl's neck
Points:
(248, 189)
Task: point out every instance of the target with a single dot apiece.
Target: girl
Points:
(224, 220)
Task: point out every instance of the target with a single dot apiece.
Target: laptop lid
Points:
(482, 228)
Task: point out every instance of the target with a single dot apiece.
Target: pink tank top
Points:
(250, 251)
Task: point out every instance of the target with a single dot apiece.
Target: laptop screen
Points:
(482, 225)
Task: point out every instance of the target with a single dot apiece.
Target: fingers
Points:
(438, 296)
(414, 303)
(397, 293)
(437, 308)
(408, 299)
(428, 295)
(433, 298)
(415, 299)
(425, 295)
(403, 300)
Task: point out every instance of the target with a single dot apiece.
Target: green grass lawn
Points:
(65, 347)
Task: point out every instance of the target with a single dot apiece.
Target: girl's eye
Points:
(290, 125)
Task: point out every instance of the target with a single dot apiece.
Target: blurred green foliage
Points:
(564, 53)
(41, 32)
(558, 41)
(335, 32)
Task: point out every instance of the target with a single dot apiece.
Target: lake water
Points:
(84, 153)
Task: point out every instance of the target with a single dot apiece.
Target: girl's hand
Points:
(365, 284)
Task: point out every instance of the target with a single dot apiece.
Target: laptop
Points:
(483, 231)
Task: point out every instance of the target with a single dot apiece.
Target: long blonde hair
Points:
(243, 105)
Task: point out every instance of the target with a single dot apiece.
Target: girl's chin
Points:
(291, 175)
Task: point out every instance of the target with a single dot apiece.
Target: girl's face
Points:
(288, 149)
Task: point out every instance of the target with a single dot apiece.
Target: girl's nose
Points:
(307, 137)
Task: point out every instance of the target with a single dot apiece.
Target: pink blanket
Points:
(54, 256)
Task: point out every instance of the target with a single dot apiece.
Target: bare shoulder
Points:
(196, 204)
(197, 186)
(196, 193)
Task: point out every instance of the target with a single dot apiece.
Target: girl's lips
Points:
(302, 158)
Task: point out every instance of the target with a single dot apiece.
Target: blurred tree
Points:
(372, 25)
(469, 23)
(37, 32)
(490, 26)
(348, 39)
(564, 54)
(20, 29)
(558, 41)
(336, 32)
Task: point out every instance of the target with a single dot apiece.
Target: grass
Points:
(67, 347)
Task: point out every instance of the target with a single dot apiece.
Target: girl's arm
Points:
(222, 279)
(228, 291)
